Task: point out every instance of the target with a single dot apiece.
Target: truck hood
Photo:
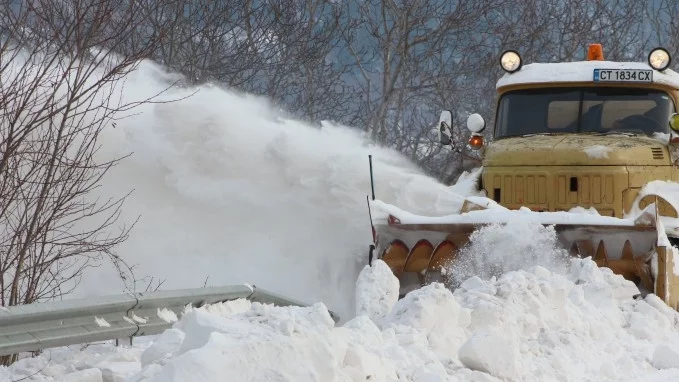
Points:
(575, 150)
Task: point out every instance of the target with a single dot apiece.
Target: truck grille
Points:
(558, 191)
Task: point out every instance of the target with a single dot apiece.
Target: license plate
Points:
(623, 75)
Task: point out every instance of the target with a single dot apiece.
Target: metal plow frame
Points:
(419, 253)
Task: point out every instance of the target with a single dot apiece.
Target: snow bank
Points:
(493, 213)
(576, 323)
(531, 323)
(377, 290)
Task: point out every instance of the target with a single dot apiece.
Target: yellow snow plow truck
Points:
(593, 135)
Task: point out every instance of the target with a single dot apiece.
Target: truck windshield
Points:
(583, 110)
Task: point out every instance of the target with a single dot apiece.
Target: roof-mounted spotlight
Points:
(659, 59)
(511, 61)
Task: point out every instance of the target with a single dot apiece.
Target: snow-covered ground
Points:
(579, 323)
(232, 191)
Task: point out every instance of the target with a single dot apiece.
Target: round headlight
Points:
(659, 59)
(510, 61)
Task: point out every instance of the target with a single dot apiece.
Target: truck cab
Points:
(591, 133)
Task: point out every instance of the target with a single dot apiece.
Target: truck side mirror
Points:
(476, 123)
(445, 130)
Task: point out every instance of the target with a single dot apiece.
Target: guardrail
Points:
(69, 322)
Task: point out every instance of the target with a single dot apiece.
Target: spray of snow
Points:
(499, 248)
(229, 190)
(468, 184)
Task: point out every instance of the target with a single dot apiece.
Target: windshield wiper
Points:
(627, 133)
(536, 134)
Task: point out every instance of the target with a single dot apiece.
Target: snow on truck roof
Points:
(584, 71)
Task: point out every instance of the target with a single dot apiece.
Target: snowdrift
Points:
(527, 325)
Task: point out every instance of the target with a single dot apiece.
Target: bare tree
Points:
(413, 59)
(662, 26)
(287, 50)
(389, 67)
(309, 75)
(60, 82)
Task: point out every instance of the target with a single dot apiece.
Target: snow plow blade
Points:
(420, 252)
